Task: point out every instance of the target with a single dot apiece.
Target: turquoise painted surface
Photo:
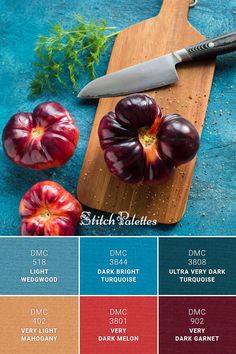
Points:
(211, 208)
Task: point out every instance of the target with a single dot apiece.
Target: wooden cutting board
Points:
(165, 33)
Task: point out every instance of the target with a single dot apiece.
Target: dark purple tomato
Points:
(178, 139)
(141, 146)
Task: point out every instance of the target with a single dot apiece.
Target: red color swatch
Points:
(118, 325)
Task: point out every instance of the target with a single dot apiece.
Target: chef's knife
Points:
(157, 72)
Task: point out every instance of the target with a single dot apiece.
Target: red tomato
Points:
(43, 139)
(47, 209)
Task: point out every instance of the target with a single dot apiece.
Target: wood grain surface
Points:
(167, 32)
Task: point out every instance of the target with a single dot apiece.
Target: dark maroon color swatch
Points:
(198, 325)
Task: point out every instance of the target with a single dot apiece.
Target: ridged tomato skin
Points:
(142, 146)
(47, 209)
(136, 111)
(178, 139)
(43, 139)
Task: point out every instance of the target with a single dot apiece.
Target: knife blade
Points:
(156, 72)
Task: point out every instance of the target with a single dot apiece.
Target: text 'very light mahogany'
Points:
(167, 32)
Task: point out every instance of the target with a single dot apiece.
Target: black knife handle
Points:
(213, 47)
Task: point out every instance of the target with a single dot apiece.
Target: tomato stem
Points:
(45, 213)
(145, 138)
(37, 132)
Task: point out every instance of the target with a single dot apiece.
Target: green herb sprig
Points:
(65, 54)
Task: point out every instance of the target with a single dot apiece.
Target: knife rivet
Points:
(211, 45)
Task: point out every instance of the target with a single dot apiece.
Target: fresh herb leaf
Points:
(65, 54)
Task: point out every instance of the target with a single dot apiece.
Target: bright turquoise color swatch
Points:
(118, 266)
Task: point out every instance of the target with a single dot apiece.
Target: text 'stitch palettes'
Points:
(120, 295)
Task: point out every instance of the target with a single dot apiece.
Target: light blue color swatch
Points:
(38, 266)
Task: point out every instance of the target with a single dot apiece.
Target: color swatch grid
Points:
(119, 295)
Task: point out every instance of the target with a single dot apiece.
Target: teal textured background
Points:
(211, 208)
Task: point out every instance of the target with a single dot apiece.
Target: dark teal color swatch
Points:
(197, 266)
(39, 266)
